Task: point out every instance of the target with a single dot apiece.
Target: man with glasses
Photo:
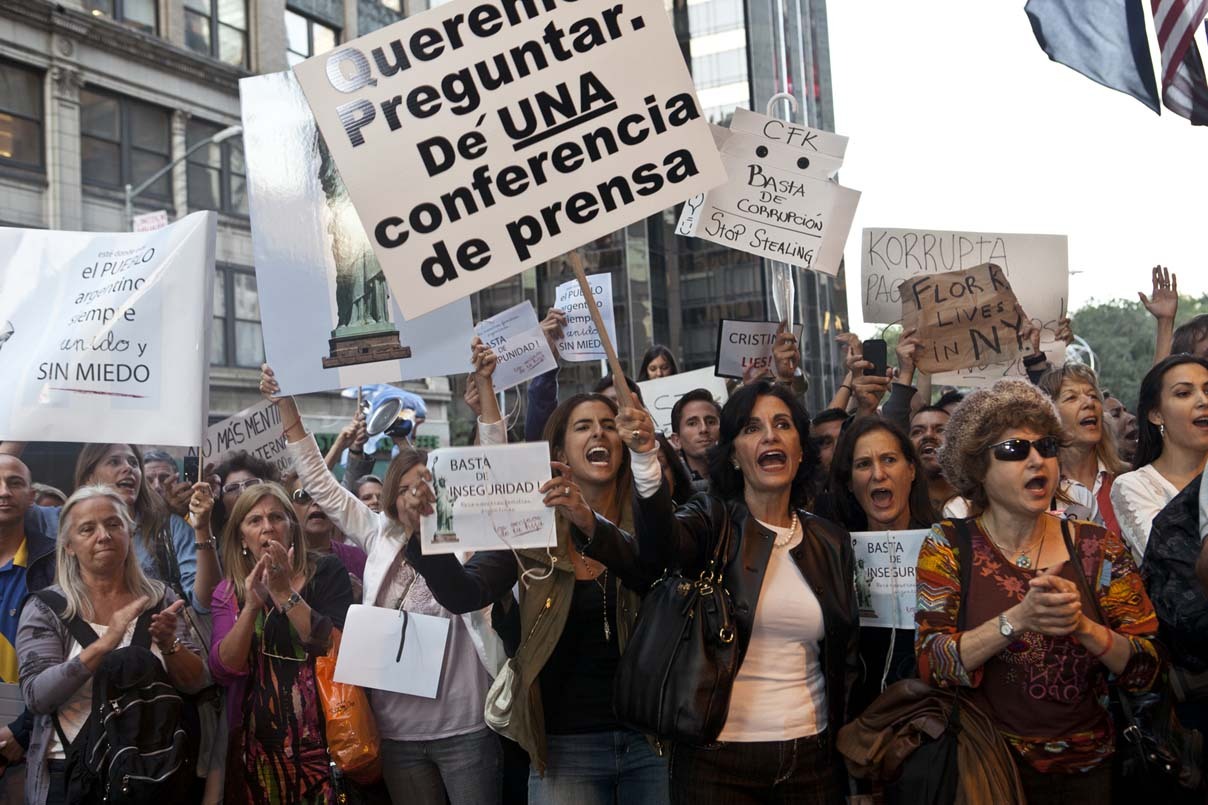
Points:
(235, 474)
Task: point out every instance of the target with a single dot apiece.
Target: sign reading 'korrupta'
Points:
(104, 337)
(483, 137)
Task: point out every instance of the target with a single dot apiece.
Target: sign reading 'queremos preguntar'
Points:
(486, 136)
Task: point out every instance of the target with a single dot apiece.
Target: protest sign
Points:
(779, 202)
(487, 499)
(519, 344)
(390, 649)
(580, 340)
(885, 578)
(105, 337)
(963, 319)
(662, 393)
(327, 318)
(150, 221)
(1037, 266)
(256, 430)
(483, 137)
(743, 345)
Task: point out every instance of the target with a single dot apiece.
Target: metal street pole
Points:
(133, 192)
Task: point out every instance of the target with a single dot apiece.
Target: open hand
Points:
(1163, 299)
(562, 493)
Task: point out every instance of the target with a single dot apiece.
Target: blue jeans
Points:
(600, 768)
(468, 768)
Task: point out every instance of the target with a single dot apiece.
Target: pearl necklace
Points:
(785, 540)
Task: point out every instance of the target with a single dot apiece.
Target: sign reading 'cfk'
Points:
(486, 136)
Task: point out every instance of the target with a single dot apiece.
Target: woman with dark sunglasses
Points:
(323, 537)
(1054, 606)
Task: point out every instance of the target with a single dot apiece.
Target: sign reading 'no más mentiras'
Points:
(486, 136)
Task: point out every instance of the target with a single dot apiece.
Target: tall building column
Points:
(65, 198)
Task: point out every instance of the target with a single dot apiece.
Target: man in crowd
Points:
(27, 563)
(695, 428)
(927, 435)
(824, 430)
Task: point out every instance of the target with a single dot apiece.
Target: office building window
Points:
(306, 37)
(235, 337)
(123, 141)
(218, 28)
(217, 179)
(21, 117)
(138, 14)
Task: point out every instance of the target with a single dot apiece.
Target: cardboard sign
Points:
(519, 344)
(662, 393)
(487, 499)
(580, 340)
(105, 337)
(327, 317)
(483, 137)
(257, 430)
(743, 345)
(390, 649)
(963, 319)
(1037, 266)
(780, 201)
(885, 576)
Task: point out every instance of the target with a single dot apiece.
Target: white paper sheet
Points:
(373, 653)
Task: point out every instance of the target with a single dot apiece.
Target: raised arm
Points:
(1163, 304)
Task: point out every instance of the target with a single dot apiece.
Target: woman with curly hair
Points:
(1054, 605)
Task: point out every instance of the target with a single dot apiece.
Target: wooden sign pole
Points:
(624, 399)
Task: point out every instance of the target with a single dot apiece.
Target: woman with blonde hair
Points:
(273, 615)
(1090, 459)
(99, 578)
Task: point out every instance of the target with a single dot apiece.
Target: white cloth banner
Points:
(487, 499)
(519, 344)
(257, 429)
(391, 649)
(662, 393)
(105, 337)
(1037, 266)
(483, 137)
(743, 345)
(781, 201)
(580, 340)
(315, 270)
(885, 576)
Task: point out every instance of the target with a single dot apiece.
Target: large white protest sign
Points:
(1037, 266)
(391, 649)
(743, 345)
(780, 202)
(483, 137)
(520, 346)
(105, 337)
(661, 394)
(487, 499)
(580, 340)
(327, 318)
(885, 576)
(256, 430)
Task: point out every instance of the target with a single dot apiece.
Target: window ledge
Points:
(30, 176)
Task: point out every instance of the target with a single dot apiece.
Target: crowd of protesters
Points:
(1062, 571)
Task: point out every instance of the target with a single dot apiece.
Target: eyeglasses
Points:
(1020, 449)
(239, 486)
(300, 496)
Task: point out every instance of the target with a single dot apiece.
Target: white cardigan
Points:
(382, 538)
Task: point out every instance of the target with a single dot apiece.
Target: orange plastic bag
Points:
(352, 736)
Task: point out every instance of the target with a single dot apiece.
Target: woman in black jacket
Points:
(789, 574)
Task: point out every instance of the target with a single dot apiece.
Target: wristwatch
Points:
(1004, 626)
(291, 602)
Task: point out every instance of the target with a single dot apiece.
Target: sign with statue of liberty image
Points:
(487, 499)
(885, 576)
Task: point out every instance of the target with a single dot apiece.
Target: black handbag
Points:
(1156, 755)
(675, 677)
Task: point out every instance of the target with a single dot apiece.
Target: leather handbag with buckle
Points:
(675, 677)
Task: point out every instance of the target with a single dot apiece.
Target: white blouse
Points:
(1137, 497)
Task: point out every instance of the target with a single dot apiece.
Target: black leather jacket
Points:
(685, 539)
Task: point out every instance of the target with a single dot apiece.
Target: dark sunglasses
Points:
(1019, 449)
(300, 496)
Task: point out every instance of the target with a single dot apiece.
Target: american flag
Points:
(1184, 90)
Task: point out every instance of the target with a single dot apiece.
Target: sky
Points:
(959, 121)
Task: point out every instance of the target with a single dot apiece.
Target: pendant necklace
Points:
(603, 582)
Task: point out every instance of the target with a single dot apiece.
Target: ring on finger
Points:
(566, 491)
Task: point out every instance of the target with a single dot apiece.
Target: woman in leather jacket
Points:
(789, 575)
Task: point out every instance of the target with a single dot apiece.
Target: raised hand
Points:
(1163, 300)
(553, 326)
(909, 349)
(786, 355)
(254, 586)
(121, 620)
(483, 358)
(415, 502)
(163, 625)
(562, 493)
(636, 428)
(269, 387)
(201, 506)
(473, 400)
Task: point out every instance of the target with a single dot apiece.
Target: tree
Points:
(1121, 333)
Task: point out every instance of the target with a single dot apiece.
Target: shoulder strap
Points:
(1080, 568)
(1106, 510)
(142, 627)
(77, 627)
(964, 558)
(720, 551)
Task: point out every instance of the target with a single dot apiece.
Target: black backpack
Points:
(133, 748)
